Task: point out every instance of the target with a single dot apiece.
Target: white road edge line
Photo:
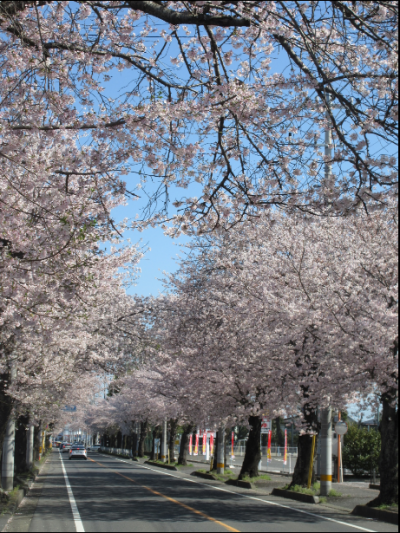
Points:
(254, 498)
(74, 508)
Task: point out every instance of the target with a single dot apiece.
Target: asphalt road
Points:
(109, 494)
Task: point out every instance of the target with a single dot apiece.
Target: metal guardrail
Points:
(276, 451)
(116, 451)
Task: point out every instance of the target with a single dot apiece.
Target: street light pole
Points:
(326, 451)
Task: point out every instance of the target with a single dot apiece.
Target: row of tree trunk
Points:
(388, 461)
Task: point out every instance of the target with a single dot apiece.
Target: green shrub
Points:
(361, 450)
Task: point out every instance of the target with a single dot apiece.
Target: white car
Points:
(94, 448)
(78, 451)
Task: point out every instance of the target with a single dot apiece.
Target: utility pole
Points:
(221, 450)
(164, 444)
(326, 414)
(326, 451)
(7, 465)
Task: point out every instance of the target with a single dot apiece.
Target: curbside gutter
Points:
(392, 517)
(298, 496)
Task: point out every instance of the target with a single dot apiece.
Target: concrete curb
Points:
(204, 475)
(374, 486)
(298, 496)
(383, 515)
(261, 470)
(240, 483)
(167, 467)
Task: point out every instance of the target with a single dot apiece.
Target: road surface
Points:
(110, 494)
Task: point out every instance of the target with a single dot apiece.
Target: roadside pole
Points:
(164, 445)
(326, 451)
(221, 450)
(29, 445)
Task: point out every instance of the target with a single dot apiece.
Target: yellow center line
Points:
(195, 511)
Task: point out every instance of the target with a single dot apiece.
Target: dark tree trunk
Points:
(37, 441)
(20, 465)
(227, 444)
(173, 426)
(157, 431)
(183, 451)
(143, 431)
(134, 440)
(302, 467)
(253, 453)
(5, 411)
(279, 433)
(215, 454)
(388, 461)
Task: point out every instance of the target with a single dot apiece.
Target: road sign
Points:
(341, 427)
(266, 424)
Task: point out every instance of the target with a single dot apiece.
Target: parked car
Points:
(94, 448)
(78, 451)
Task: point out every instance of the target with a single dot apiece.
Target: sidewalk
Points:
(26, 486)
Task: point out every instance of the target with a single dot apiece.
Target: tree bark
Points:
(143, 431)
(279, 433)
(388, 461)
(173, 426)
(253, 452)
(134, 440)
(21, 433)
(5, 410)
(215, 454)
(187, 430)
(37, 441)
(302, 467)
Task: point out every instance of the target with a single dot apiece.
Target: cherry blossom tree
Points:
(203, 101)
(285, 315)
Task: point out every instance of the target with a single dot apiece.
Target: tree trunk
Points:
(173, 425)
(227, 443)
(134, 440)
(183, 451)
(215, 454)
(388, 461)
(253, 453)
(5, 410)
(143, 432)
(279, 433)
(37, 441)
(21, 433)
(302, 467)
